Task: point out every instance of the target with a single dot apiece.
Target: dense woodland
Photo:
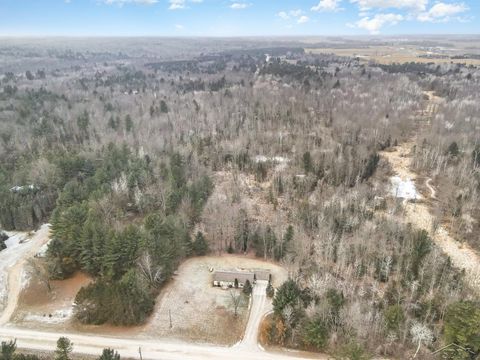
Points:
(140, 163)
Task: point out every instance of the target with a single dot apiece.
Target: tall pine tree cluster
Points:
(101, 227)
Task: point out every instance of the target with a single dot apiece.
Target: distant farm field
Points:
(394, 54)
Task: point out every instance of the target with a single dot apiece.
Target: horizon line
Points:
(179, 36)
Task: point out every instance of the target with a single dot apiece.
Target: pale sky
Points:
(237, 17)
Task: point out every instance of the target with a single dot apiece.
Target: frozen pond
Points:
(403, 188)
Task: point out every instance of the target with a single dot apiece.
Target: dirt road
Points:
(12, 261)
(433, 193)
(418, 214)
(158, 349)
(151, 349)
(93, 344)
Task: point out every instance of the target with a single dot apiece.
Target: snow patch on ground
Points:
(18, 244)
(280, 161)
(15, 239)
(8, 257)
(275, 159)
(25, 278)
(405, 189)
(43, 250)
(58, 316)
(3, 289)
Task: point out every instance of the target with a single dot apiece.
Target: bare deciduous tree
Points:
(421, 334)
(150, 272)
(236, 300)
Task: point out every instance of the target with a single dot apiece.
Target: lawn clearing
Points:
(199, 311)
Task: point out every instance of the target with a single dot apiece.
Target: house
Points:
(262, 274)
(228, 278)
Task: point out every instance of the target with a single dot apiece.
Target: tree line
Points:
(63, 351)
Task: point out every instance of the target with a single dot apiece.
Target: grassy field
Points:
(200, 312)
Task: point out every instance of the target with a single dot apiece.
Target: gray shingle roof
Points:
(262, 274)
(241, 276)
(230, 276)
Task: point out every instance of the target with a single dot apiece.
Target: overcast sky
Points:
(237, 17)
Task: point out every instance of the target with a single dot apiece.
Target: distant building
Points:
(228, 278)
(24, 189)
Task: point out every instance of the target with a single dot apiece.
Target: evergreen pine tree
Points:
(247, 287)
(109, 354)
(307, 162)
(200, 245)
(8, 349)
(128, 123)
(270, 290)
(163, 107)
(64, 349)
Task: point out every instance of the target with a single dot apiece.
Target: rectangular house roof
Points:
(262, 274)
(230, 276)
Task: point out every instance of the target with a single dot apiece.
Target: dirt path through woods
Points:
(14, 283)
(418, 213)
(433, 192)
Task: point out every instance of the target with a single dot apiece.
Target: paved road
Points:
(260, 306)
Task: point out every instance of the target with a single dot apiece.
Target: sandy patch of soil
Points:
(39, 308)
(418, 214)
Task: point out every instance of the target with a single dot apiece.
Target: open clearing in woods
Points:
(199, 312)
(418, 213)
